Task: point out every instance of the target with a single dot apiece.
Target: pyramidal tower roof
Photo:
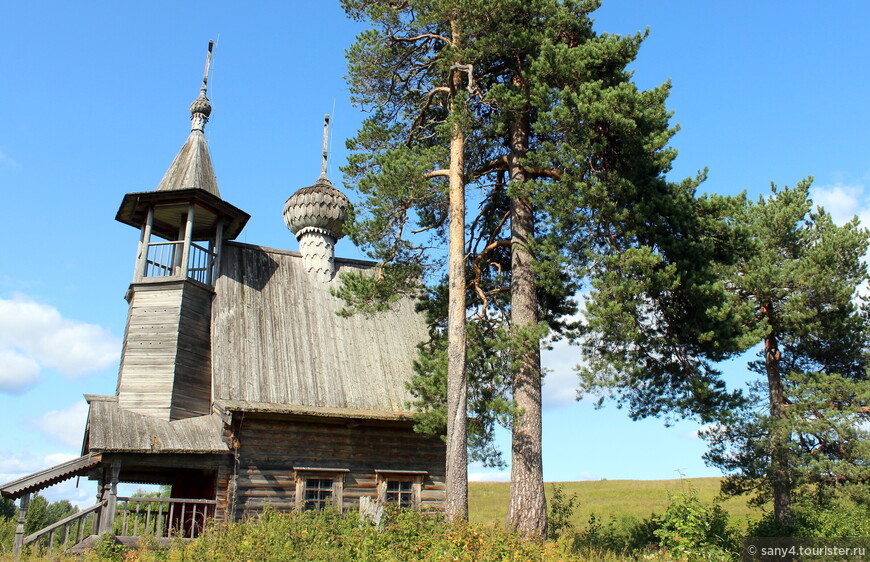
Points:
(192, 165)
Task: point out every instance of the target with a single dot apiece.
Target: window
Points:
(400, 492)
(318, 493)
(319, 488)
(401, 487)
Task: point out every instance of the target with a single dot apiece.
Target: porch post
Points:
(110, 500)
(23, 503)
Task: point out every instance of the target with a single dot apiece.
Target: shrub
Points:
(830, 515)
(328, 535)
(561, 511)
(690, 529)
(7, 534)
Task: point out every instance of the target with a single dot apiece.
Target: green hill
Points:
(623, 499)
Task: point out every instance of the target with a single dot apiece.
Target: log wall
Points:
(270, 446)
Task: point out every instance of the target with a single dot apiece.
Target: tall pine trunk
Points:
(779, 471)
(527, 511)
(457, 390)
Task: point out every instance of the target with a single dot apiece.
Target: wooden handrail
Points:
(162, 260)
(30, 538)
(165, 243)
(176, 242)
(167, 500)
(81, 515)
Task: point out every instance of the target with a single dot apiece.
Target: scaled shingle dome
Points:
(320, 206)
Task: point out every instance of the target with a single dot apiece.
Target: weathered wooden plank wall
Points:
(277, 325)
(166, 359)
(191, 393)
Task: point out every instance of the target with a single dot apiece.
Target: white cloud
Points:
(560, 381)
(66, 426)
(586, 476)
(39, 334)
(58, 458)
(500, 476)
(17, 372)
(560, 364)
(78, 491)
(843, 202)
(14, 465)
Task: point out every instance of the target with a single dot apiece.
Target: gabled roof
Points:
(50, 476)
(276, 338)
(112, 429)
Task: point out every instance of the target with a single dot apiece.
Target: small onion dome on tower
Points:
(200, 111)
(320, 207)
(316, 215)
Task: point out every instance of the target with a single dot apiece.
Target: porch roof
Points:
(45, 478)
(113, 429)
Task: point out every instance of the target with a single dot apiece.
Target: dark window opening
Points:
(400, 492)
(318, 493)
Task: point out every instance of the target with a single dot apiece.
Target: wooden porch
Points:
(126, 518)
(133, 518)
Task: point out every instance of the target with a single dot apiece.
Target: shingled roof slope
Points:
(48, 477)
(112, 429)
(276, 338)
(191, 168)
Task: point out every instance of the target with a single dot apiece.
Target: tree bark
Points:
(779, 471)
(527, 512)
(457, 390)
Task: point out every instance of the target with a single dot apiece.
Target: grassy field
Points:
(624, 499)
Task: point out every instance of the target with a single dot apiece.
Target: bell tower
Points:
(166, 361)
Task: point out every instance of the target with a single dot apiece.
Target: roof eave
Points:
(134, 207)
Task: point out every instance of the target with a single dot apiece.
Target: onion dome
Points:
(318, 207)
(200, 105)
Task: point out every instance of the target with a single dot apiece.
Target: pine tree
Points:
(565, 159)
(410, 69)
(800, 274)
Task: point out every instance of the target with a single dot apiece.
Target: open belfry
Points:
(240, 386)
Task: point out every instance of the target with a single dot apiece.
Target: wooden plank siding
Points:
(276, 324)
(166, 359)
(271, 446)
(191, 393)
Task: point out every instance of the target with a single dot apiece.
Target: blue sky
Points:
(93, 104)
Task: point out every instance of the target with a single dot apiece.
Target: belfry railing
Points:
(164, 259)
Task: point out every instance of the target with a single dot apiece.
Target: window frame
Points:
(305, 473)
(414, 476)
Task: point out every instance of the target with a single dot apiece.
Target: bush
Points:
(7, 534)
(830, 515)
(328, 535)
(690, 529)
(561, 511)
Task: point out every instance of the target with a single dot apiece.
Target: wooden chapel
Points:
(239, 386)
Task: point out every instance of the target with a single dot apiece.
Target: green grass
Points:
(623, 499)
